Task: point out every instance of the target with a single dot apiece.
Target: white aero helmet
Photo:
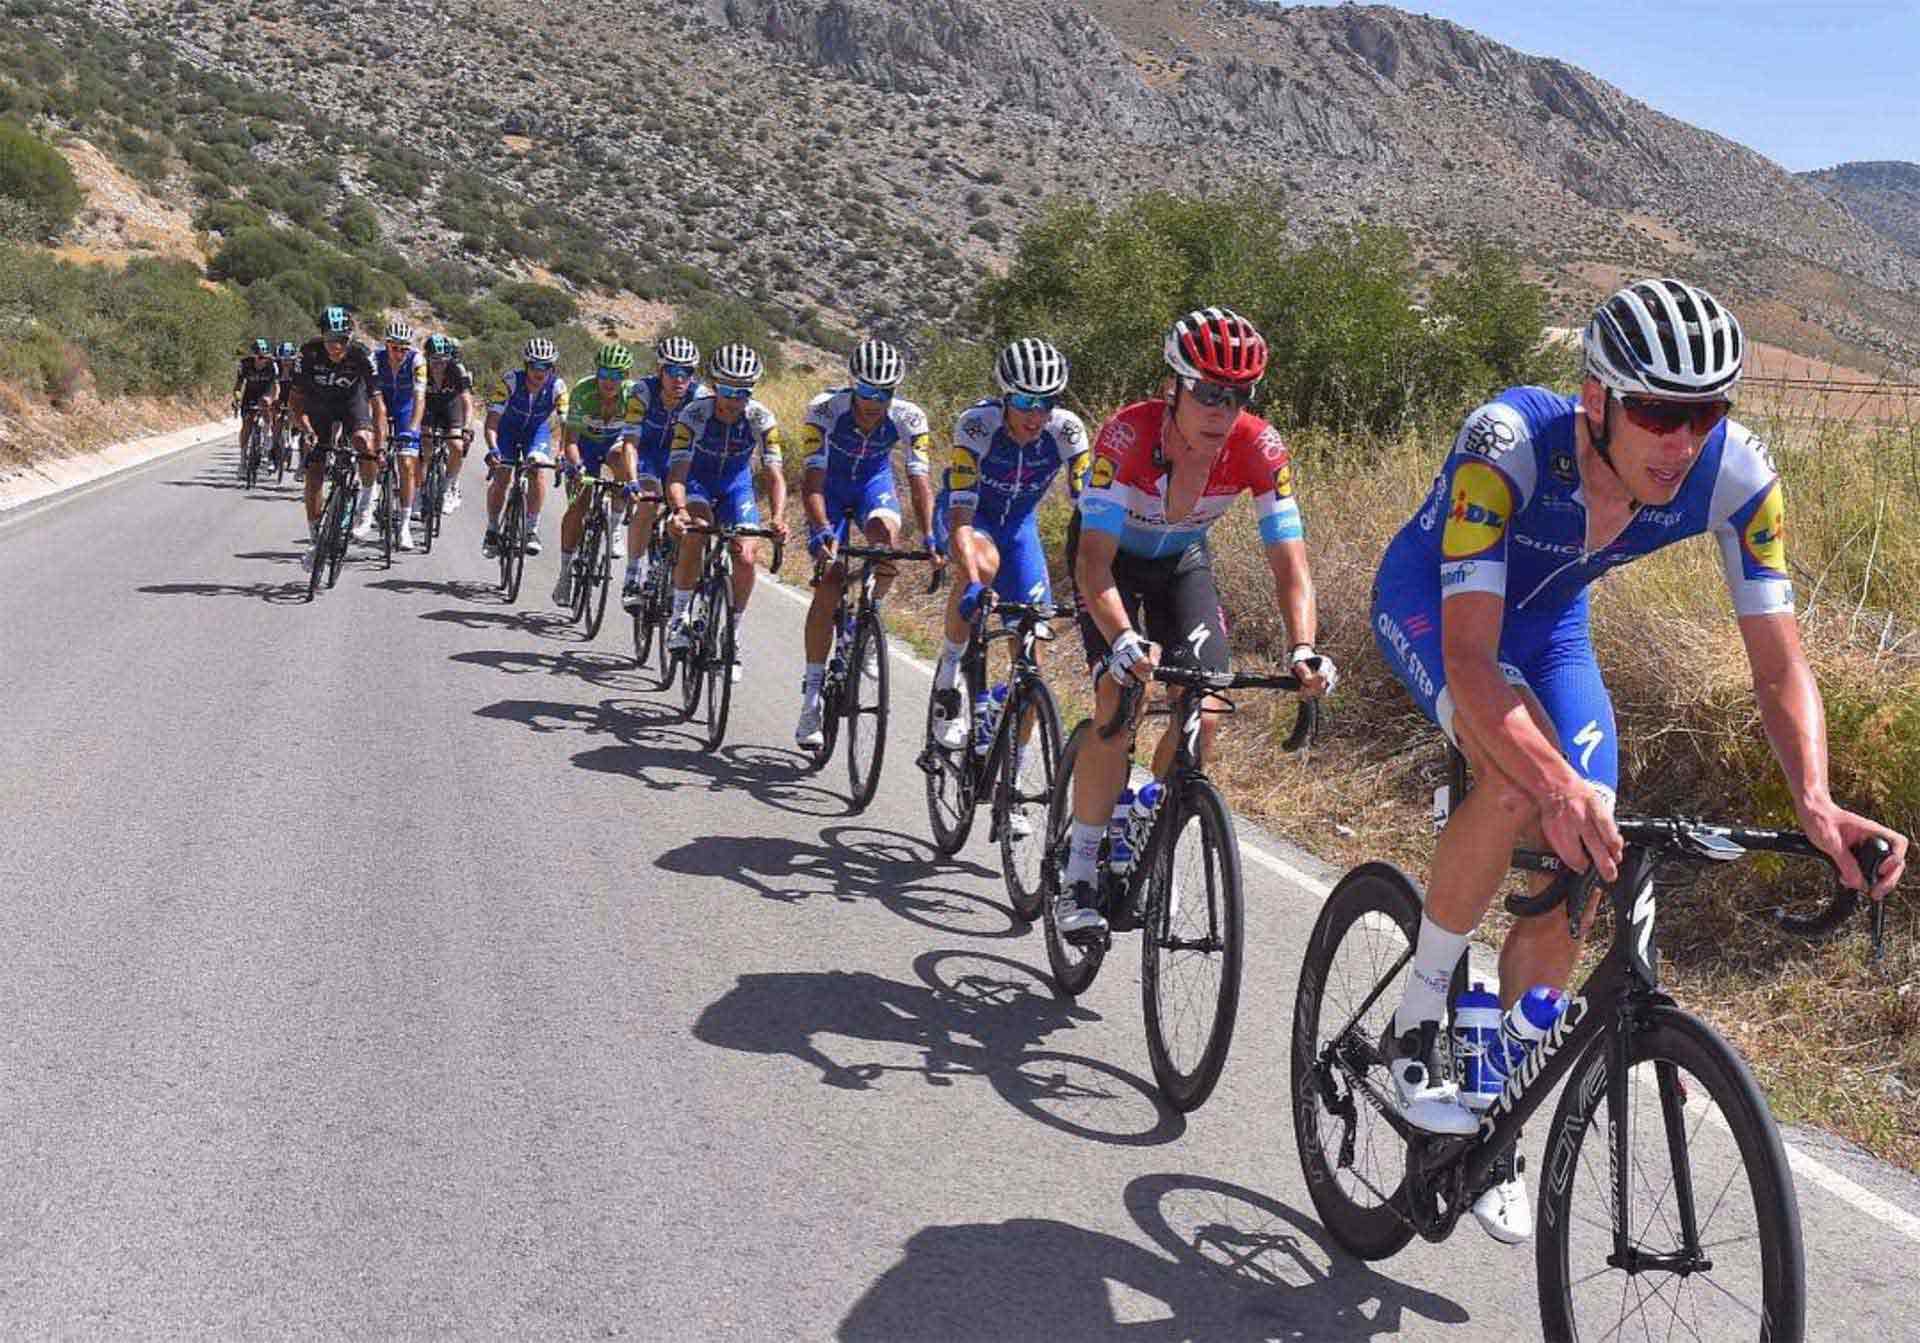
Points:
(877, 364)
(1032, 366)
(1665, 338)
(540, 350)
(677, 350)
(735, 364)
(400, 329)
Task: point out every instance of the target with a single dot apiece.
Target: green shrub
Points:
(717, 321)
(35, 178)
(255, 253)
(537, 304)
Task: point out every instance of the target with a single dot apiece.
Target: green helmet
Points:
(335, 322)
(614, 356)
(262, 346)
(439, 346)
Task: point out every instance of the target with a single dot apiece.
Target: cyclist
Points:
(284, 357)
(256, 384)
(849, 439)
(1006, 453)
(710, 477)
(1164, 471)
(403, 385)
(602, 417)
(661, 395)
(449, 403)
(1480, 608)
(334, 385)
(527, 402)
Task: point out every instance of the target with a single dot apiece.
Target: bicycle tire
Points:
(577, 569)
(1074, 965)
(718, 658)
(950, 786)
(692, 677)
(1770, 1273)
(389, 518)
(513, 545)
(599, 571)
(1172, 910)
(340, 515)
(866, 698)
(1023, 866)
(431, 487)
(281, 450)
(322, 546)
(250, 457)
(1374, 898)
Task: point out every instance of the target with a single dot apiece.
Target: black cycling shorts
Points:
(251, 395)
(451, 417)
(1172, 602)
(348, 420)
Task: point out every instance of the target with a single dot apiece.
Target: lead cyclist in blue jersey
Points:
(1480, 608)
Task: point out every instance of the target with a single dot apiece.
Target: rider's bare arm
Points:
(1093, 579)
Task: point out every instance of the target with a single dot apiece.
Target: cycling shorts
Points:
(326, 421)
(594, 455)
(539, 450)
(1022, 576)
(1171, 601)
(731, 501)
(864, 499)
(451, 417)
(251, 395)
(1550, 654)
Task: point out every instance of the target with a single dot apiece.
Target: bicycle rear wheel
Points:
(1350, 977)
(1703, 1157)
(1191, 946)
(339, 522)
(950, 786)
(1025, 789)
(322, 545)
(692, 673)
(432, 488)
(717, 658)
(598, 568)
(389, 515)
(513, 544)
(250, 456)
(1074, 964)
(282, 449)
(866, 708)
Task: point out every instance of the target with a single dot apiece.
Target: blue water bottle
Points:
(1478, 1053)
(1527, 1023)
(1119, 843)
(1145, 803)
(986, 717)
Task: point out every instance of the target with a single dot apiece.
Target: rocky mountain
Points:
(866, 161)
(1884, 196)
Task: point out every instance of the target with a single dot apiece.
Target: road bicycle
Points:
(1182, 890)
(855, 686)
(651, 617)
(336, 515)
(593, 558)
(707, 662)
(513, 532)
(253, 452)
(1666, 1206)
(435, 453)
(989, 763)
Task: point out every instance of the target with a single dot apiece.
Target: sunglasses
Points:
(1663, 417)
(721, 389)
(1028, 401)
(610, 374)
(539, 366)
(398, 345)
(677, 370)
(333, 341)
(1216, 395)
(866, 391)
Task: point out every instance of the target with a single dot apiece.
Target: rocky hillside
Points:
(865, 161)
(1884, 196)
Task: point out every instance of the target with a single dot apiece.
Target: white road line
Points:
(1854, 1195)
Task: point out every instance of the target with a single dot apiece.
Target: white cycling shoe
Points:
(1504, 1211)
(808, 733)
(1426, 1099)
(949, 719)
(451, 504)
(363, 529)
(406, 537)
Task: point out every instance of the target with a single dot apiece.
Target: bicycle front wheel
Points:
(866, 709)
(389, 515)
(513, 545)
(432, 490)
(950, 786)
(1074, 964)
(598, 570)
(1024, 793)
(1712, 1224)
(692, 672)
(1355, 1163)
(718, 656)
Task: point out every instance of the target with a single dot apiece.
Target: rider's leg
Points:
(883, 529)
(691, 556)
(1188, 625)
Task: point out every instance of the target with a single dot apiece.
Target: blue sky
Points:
(1807, 84)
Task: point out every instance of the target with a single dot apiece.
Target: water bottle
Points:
(1119, 844)
(986, 717)
(1145, 803)
(1526, 1024)
(1478, 1052)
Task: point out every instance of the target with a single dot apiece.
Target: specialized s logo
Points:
(1102, 475)
(1764, 538)
(1477, 517)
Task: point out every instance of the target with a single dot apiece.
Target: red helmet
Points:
(1218, 345)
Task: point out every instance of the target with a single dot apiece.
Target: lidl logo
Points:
(1283, 480)
(1482, 501)
(1765, 536)
(1102, 473)
(965, 472)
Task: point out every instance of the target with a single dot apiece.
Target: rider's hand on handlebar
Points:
(1578, 824)
(970, 599)
(1837, 832)
(823, 545)
(1132, 656)
(1318, 676)
(780, 530)
(679, 521)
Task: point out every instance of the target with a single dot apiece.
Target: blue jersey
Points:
(400, 384)
(1506, 514)
(834, 444)
(656, 417)
(716, 451)
(527, 416)
(1003, 481)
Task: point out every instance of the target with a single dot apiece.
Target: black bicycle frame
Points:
(1024, 633)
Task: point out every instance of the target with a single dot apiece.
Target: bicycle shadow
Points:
(459, 589)
(553, 626)
(608, 671)
(274, 594)
(851, 863)
(273, 556)
(973, 1016)
(1227, 1264)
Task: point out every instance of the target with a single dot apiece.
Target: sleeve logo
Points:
(1103, 469)
(1482, 501)
(1764, 538)
(1486, 435)
(1283, 480)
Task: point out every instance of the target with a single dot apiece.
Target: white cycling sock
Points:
(946, 671)
(682, 599)
(365, 499)
(1434, 956)
(1083, 859)
(811, 682)
(533, 523)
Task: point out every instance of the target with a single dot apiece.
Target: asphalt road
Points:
(398, 966)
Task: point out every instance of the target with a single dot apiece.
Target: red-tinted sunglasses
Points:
(1663, 417)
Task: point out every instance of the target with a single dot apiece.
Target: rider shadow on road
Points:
(459, 589)
(274, 594)
(1236, 1266)
(550, 625)
(973, 1016)
(850, 863)
(606, 670)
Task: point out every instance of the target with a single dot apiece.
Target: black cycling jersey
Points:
(444, 393)
(253, 379)
(323, 380)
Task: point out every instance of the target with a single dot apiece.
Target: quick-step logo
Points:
(1536, 1060)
